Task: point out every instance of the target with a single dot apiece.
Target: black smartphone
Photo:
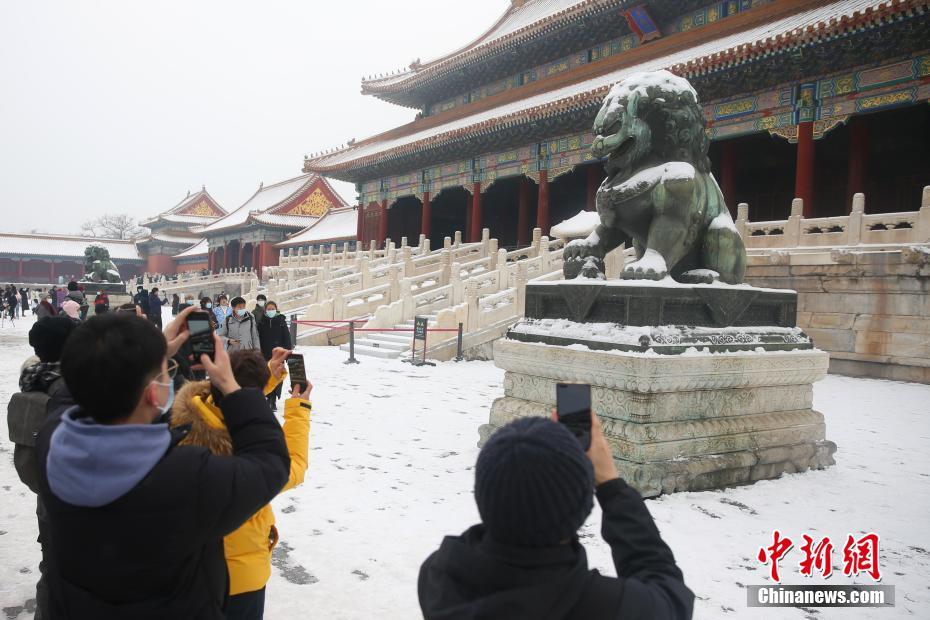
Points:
(573, 407)
(201, 330)
(297, 370)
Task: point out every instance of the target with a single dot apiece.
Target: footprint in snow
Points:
(361, 575)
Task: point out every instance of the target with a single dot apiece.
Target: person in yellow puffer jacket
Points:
(248, 549)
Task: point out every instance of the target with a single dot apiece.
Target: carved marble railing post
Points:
(471, 303)
(455, 280)
(793, 227)
(372, 248)
(394, 278)
(537, 235)
(485, 239)
(854, 223)
(923, 217)
(491, 248)
(403, 242)
(406, 296)
(406, 255)
(520, 285)
(391, 253)
(544, 254)
(458, 239)
(345, 254)
(447, 243)
(445, 266)
(420, 244)
(425, 246)
(339, 302)
(365, 270)
(742, 218)
(504, 269)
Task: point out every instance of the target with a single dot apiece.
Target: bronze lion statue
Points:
(659, 192)
(97, 265)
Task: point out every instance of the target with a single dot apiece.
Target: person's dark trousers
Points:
(42, 596)
(246, 606)
(156, 318)
(274, 396)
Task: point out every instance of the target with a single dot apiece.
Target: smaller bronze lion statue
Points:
(97, 265)
(659, 191)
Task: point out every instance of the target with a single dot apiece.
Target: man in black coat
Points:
(533, 487)
(137, 520)
(141, 299)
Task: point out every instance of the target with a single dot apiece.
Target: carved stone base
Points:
(680, 422)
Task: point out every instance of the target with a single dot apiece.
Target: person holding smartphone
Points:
(273, 333)
(534, 487)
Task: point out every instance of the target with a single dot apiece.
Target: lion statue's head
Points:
(650, 118)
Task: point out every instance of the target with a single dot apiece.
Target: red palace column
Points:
(523, 216)
(728, 174)
(360, 227)
(594, 181)
(858, 159)
(475, 217)
(804, 173)
(542, 209)
(382, 224)
(425, 217)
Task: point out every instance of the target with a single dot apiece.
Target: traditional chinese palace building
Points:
(814, 99)
(54, 259)
(173, 232)
(247, 237)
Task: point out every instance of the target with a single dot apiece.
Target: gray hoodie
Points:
(92, 465)
(244, 329)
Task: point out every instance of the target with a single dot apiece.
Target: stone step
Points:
(381, 344)
(397, 337)
(373, 351)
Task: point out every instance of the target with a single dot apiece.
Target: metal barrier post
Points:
(293, 328)
(351, 359)
(458, 353)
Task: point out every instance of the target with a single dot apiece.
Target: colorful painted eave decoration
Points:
(641, 23)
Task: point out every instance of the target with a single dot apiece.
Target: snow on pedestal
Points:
(578, 226)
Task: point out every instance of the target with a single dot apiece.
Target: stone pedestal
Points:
(684, 408)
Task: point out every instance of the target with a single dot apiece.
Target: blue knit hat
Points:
(534, 485)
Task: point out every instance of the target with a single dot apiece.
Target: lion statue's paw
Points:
(650, 267)
(699, 276)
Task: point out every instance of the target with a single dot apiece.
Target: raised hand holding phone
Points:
(297, 370)
(573, 408)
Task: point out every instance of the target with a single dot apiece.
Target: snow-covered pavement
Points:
(392, 451)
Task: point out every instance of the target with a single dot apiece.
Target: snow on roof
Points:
(515, 19)
(171, 215)
(64, 246)
(578, 226)
(265, 199)
(198, 249)
(335, 225)
(168, 238)
(553, 100)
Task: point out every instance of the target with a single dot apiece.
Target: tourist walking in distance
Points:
(154, 312)
(534, 487)
(141, 299)
(175, 302)
(273, 333)
(137, 521)
(259, 310)
(239, 330)
(221, 310)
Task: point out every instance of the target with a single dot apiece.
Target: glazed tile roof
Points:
(168, 238)
(259, 208)
(201, 248)
(336, 225)
(796, 29)
(172, 214)
(512, 28)
(64, 246)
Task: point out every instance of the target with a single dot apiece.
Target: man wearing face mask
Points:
(273, 333)
(240, 329)
(259, 310)
(136, 520)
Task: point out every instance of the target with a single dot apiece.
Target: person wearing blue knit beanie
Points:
(534, 488)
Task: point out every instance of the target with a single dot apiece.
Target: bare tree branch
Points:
(118, 226)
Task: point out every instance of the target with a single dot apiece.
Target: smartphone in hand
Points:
(201, 339)
(297, 370)
(573, 408)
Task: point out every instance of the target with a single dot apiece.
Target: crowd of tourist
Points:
(154, 470)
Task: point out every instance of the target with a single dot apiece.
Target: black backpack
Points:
(25, 416)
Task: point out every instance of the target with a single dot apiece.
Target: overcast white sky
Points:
(123, 106)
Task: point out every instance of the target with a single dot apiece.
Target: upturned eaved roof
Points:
(201, 248)
(196, 209)
(336, 225)
(295, 203)
(521, 21)
(64, 246)
(168, 238)
(817, 22)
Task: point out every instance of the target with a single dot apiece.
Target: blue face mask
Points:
(208, 305)
(271, 313)
(240, 312)
(167, 406)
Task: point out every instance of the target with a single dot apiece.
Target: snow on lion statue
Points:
(659, 191)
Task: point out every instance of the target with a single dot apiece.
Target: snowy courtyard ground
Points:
(391, 472)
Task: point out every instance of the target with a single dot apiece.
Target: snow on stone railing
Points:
(857, 228)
